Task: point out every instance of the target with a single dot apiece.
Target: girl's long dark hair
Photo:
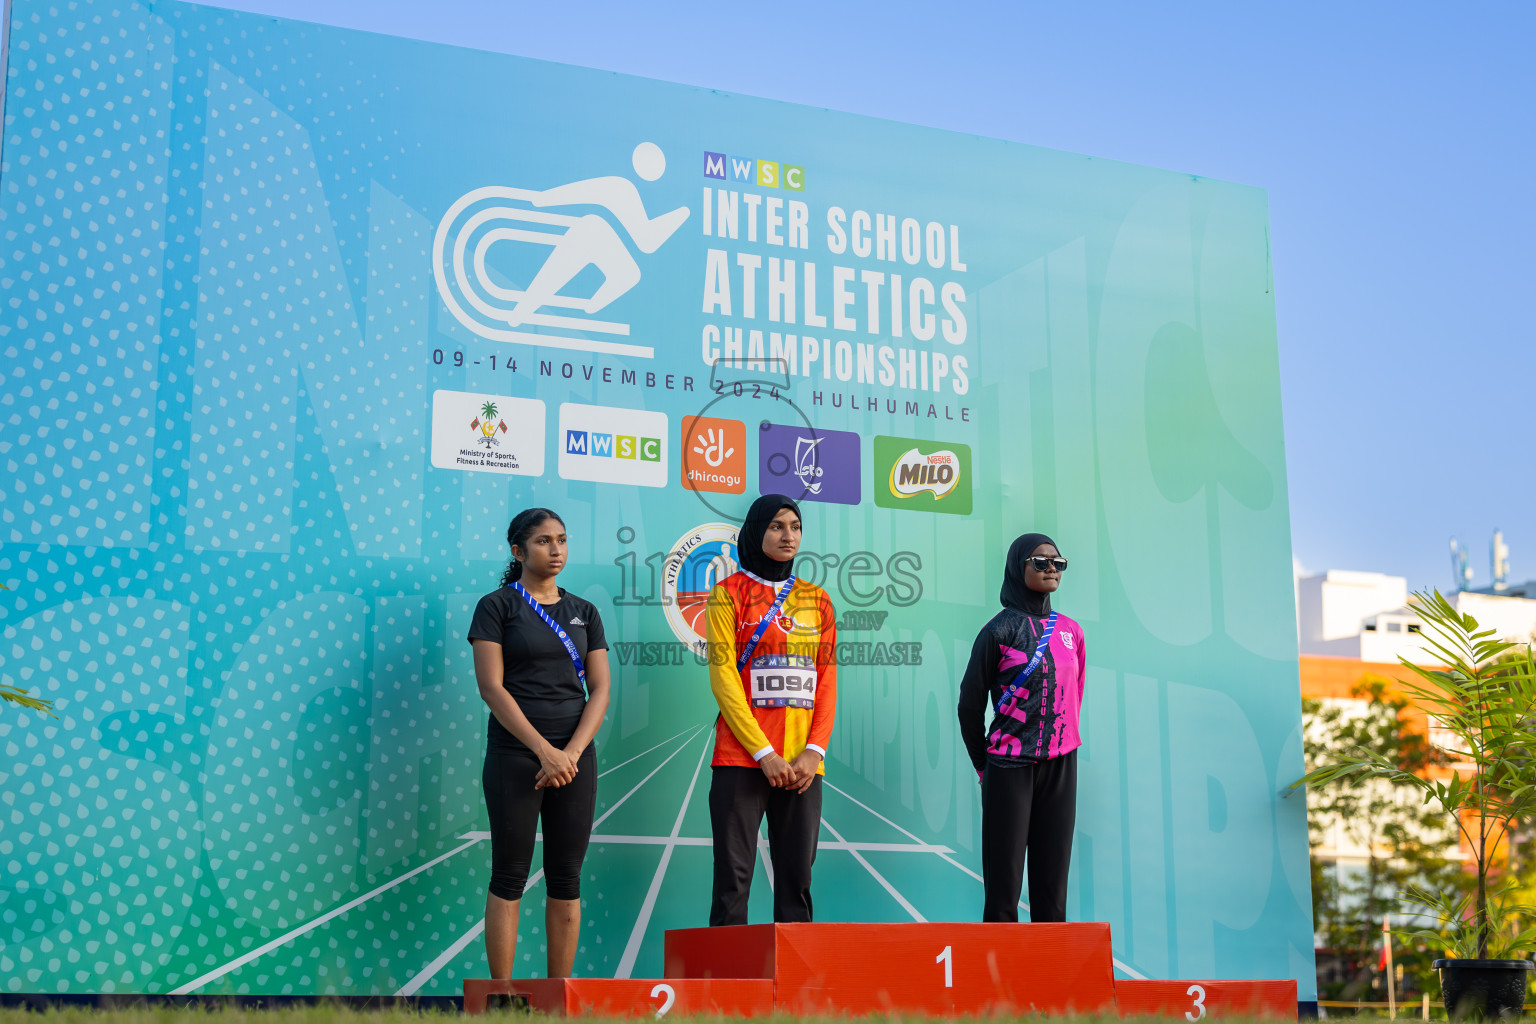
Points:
(517, 534)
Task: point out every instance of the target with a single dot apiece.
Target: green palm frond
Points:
(12, 695)
(1483, 696)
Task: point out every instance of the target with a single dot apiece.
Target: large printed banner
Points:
(296, 318)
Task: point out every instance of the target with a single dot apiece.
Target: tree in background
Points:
(1409, 843)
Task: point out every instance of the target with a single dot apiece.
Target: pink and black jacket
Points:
(1039, 720)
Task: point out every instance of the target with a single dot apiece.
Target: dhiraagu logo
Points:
(922, 476)
(609, 445)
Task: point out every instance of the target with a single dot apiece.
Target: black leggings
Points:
(738, 800)
(516, 809)
(1035, 807)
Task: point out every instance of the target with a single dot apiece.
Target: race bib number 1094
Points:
(783, 681)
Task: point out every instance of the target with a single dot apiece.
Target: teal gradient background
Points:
(234, 566)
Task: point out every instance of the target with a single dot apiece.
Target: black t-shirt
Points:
(536, 668)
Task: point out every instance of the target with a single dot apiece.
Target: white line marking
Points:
(576, 323)
(642, 753)
(307, 926)
(765, 852)
(909, 908)
(884, 847)
(762, 844)
(909, 835)
(413, 986)
(575, 344)
(876, 813)
(431, 969)
(1127, 968)
(637, 935)
(681, 747)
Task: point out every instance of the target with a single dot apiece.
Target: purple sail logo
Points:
(809, 464)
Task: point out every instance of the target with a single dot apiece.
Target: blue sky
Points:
(1395, 141)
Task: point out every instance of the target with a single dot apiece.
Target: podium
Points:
(627, 997)
(860, 969)
(1195, 1000)
(942, 969)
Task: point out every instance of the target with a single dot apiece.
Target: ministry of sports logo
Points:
(505, 256)
(489, 426)
(487, 433)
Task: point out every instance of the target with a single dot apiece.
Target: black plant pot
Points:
(1483, 989)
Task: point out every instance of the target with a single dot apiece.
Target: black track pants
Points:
(738, 799)
(1031, 807)
(516, 808)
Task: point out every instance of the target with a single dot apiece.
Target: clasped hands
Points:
(556, 767)
(796, 775)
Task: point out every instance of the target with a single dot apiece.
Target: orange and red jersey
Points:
(785, 698)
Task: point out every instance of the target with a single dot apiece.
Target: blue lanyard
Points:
(773, 613)
(1034, 663)
(570, 646)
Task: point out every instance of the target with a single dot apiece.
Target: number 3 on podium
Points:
(1198, 1013)
(947, 958)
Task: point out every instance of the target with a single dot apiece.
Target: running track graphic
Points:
(635, 877)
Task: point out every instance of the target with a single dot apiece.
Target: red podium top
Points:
(937, 968)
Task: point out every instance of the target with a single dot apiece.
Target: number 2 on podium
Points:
(947, 958)
(668, 995)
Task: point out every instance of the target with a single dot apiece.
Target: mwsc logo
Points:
(609, 445)
(612, 446)
(747, 171)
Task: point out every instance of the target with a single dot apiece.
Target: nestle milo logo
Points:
(923, 476)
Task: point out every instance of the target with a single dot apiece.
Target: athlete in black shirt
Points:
(540, 762)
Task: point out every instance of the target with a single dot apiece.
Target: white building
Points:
(1367, 615)
(1362, 615)
(1510, 611)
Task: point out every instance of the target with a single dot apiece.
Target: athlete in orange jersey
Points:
(776, 711)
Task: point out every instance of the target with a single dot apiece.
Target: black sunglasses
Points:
(1041, 563)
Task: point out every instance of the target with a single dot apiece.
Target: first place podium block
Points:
(942, 969)
(627, 997)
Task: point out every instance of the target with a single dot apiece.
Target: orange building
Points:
(1336, 678)
(1330, 678)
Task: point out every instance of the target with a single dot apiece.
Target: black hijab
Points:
(749, 542)
(1016, 593)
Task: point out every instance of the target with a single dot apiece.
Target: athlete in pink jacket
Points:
(1028, 665)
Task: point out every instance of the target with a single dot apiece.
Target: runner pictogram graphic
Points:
(471, 242)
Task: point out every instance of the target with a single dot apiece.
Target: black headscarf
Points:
(1016, 593)
(749, 542)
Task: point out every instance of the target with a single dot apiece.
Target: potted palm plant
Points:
(1482, 702)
